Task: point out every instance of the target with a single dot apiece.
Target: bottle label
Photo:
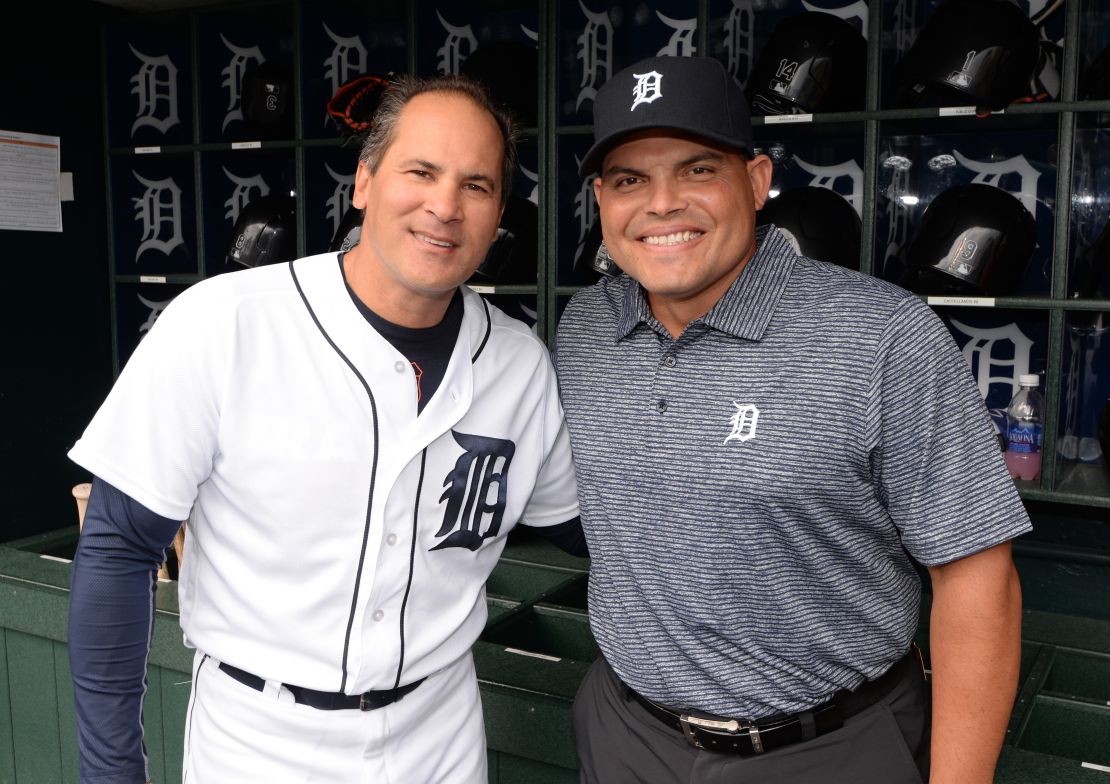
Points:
(1024, 437)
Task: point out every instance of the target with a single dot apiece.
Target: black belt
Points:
(746, 738)
(327, 700)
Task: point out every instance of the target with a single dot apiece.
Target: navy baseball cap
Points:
(691, 94)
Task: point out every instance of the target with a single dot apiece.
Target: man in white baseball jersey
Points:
(351, 437)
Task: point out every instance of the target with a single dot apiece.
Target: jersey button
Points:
(391, 539)
(378, 615)
(399, 366)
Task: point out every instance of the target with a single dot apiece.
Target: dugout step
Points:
(1075, 730)
(571, 596)
(1081, 676)
(521, 582)
(541, 632)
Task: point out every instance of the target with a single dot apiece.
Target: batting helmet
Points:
(973, 240)
(349, 231)
(593, 260)
(819, 222)
(812, 62)
(512, 256)
(981, 52)
(265, 232)
(267, 99)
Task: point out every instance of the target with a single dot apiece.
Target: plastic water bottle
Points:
(1025, 429)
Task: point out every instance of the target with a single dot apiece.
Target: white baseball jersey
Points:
(337, 541)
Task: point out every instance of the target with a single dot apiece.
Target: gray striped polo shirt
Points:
(752, 492)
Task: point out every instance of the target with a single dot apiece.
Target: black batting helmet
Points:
(265, 233)
(984, 53)
(593, 260)
(812, 62)
(973, 240)
(512, 256)
(267, 99)
(820, 223)
(349, 231)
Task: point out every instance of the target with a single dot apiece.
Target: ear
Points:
(597, 190)
(362, 185)
(759, 170)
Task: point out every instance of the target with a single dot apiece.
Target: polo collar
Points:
(746, 308)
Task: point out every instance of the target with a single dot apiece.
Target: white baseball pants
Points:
(233, 733)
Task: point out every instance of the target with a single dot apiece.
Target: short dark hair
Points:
(405, 88)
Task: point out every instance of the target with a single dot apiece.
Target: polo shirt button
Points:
(399, 366)
(670, 360)
(378, 615)
(662, 407)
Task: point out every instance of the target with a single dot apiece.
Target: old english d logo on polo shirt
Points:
(647, 88)
(743, 422)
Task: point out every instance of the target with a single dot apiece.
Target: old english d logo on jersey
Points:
(475, 491)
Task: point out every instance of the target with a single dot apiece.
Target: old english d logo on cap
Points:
(701, 99)
(648, 88)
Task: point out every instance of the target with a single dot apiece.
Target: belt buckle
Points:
(731, 726)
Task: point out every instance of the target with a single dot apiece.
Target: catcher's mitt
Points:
(354, 104)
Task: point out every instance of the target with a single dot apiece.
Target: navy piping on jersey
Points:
(373, 472)
(412, 562)
(485, 337)
(373, 477)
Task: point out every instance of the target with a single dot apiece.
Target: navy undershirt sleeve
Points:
(111, 620)
(568, 536)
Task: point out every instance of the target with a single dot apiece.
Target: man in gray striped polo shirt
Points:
(764, 445)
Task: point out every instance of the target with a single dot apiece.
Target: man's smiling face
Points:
(678, 215)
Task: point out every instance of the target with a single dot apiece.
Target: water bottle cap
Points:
(1029, 380)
